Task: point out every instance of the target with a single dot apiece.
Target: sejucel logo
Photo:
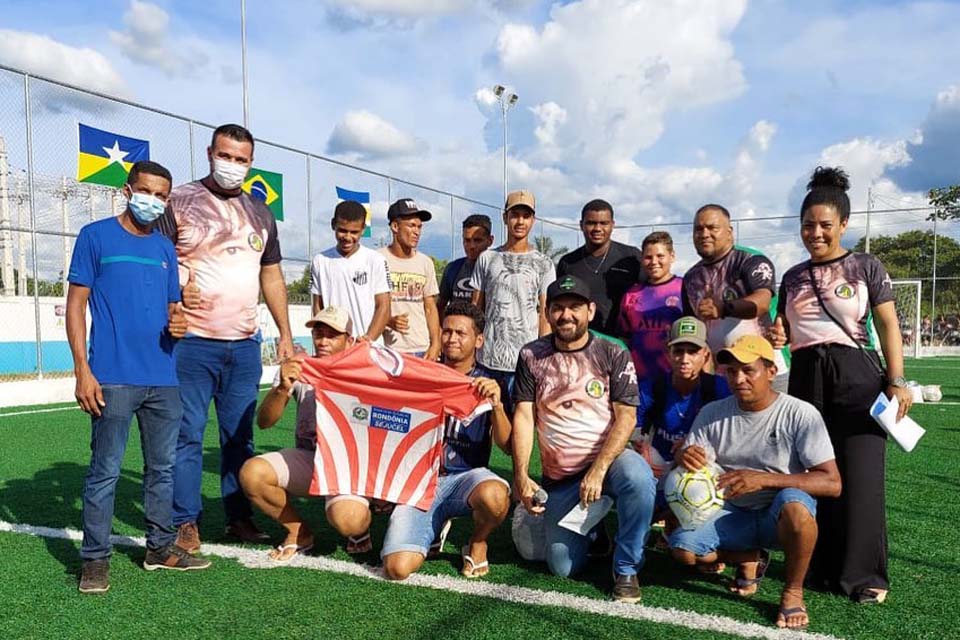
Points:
(389, 419)
(844, 291)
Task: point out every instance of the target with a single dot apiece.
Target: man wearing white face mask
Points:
(228, 252)
(127, 274)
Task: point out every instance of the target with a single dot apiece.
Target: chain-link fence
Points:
(43, 206)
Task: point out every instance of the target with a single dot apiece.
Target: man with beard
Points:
(580, 391)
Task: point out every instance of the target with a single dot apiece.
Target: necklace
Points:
(602, 260)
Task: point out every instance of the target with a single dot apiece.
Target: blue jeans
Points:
(227, 372)
(738, 529)
(414, 530)
(158, 415)
(630, 482)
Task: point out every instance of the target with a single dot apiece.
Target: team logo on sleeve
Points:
(844, 291)
(672, 301)
(763, 271)
(255, 241)
(596, 388)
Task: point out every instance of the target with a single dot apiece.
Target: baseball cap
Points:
(568, 286)
(520, 199)
(333, 317)
(407, 207)
(688, 330)
(746, 350)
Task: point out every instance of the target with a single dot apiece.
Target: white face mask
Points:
(229, 175)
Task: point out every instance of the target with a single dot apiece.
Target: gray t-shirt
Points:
(512, 284)
(305, 396)
(789, 436)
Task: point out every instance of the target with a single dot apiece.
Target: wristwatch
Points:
(899, 382)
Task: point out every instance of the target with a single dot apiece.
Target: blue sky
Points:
(657, 106)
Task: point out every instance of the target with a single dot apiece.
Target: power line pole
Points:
(869, 208)
(243, 62)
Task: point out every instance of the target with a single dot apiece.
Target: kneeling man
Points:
(580, 391)
(777, 458)
(466, 486)
(270, 479)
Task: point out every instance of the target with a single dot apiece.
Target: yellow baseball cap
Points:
(746, 349)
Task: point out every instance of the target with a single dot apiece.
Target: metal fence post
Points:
(33, 225)
(453, 232)
(933, 297)
(309, 213)
(193, 166)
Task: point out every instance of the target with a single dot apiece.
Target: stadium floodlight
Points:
(506, 100)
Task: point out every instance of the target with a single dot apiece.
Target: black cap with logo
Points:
(407, 207)
(568, 286)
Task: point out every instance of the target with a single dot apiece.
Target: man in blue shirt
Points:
(466, 486)
(668, 406)
(127, 273)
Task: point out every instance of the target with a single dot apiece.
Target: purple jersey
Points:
(646, 313)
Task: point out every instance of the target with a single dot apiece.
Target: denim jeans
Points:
(227, 372)
(158, 416)
(630, 482)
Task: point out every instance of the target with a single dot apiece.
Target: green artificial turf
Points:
(41, 477)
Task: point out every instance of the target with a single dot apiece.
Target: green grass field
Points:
(41, 476)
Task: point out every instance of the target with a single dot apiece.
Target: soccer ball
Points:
(693, 496)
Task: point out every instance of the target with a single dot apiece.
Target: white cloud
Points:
(146, 41)
(369, 136)
(420, 8)
(865, 160)
(747, 165)
(618, 67)
(44, 56)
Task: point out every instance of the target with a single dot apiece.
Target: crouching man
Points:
(270, 479)
(466, 487)
(579, 392)
(777, 458)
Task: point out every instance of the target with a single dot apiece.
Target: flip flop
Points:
(359, 544)
(742, 583)
(297, 551)
(715, 569)
(437, 547)
(475, 567)
(871, 596)
(785, 613)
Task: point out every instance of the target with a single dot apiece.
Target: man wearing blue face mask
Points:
(227, 247)
(127, 273)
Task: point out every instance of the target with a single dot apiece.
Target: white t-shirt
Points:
(350, 283)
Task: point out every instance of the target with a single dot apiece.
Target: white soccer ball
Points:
(693, 496)
(529, 535)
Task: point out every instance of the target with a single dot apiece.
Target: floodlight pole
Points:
(506, 101)
(243, 62)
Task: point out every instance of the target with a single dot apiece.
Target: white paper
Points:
(906, 432)
(581, 520)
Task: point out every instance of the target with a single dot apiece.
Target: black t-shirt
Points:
(455, 284)
(608, 279)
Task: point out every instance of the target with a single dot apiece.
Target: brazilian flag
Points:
(105, 157)
(268, 187)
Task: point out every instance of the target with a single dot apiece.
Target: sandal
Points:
(783, 614)
(740, 583)
(470, 568)
(713, 569)
(436, 548)
(359, 544)
(278, 554)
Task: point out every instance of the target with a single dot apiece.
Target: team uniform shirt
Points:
(467, 445)
(455, 283)
(350, 282)
(672, 417)
(512, 284)
(850, 286)
(131, 279)
(411, 280)
(225, 240)
(380, 422)
(789, 436)
(573, 394)
(608, 277)
(734, 276)
(646, 314)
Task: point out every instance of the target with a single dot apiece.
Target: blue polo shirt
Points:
(676, 412)
(131, 280)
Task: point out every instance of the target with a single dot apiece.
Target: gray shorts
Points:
(294, 469)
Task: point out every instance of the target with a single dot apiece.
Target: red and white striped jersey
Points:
(380, 417)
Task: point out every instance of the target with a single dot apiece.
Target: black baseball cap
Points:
(407, 207)
(568, 286)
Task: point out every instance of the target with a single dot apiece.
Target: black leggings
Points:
(851, 551)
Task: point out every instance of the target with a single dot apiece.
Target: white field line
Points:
(32, 411)
(257, 559)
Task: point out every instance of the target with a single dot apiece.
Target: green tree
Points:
(439, 265)
(947, 202)
(544, 245)
(298, 291)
